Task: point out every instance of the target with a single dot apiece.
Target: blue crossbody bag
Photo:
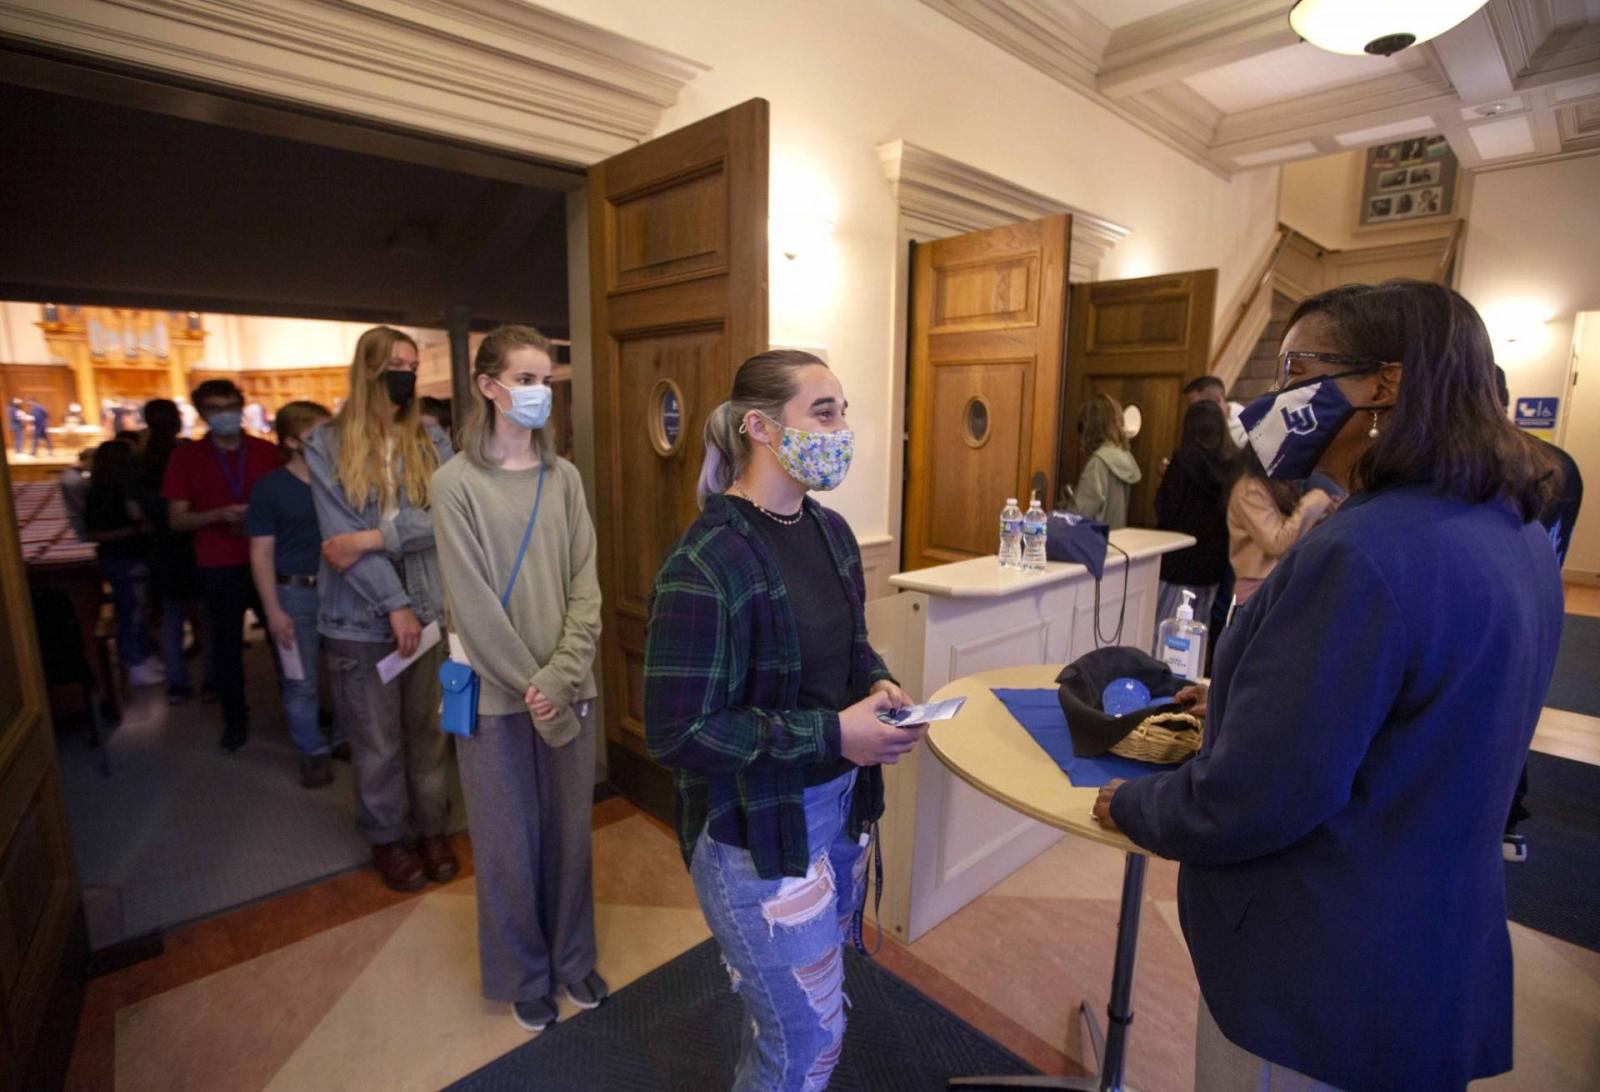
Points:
(459, 713)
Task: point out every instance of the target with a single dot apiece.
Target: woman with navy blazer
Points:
(1342, 891)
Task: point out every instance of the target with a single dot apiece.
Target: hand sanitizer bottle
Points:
(1181, 643)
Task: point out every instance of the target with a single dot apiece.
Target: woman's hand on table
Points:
(1193, 699)
(867, 741)
(1102, 802)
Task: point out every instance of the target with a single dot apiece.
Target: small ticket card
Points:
(924, 714)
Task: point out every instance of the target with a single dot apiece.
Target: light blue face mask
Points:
(225, 422)
(530, 406)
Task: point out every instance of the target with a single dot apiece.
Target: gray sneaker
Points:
(535, 1016)
(589, 993)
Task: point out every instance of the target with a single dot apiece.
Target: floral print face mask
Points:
(817, 460)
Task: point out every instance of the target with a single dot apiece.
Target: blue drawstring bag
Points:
(1080, 540)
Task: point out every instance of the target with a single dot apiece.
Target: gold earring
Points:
(1372, 433)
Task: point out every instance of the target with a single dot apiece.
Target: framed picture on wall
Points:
(1408, 180)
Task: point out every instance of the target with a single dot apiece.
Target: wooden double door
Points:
(678, 265)
(1003, 354)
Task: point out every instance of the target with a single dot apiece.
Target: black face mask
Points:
(401, 386)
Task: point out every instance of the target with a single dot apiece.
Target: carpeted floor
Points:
(180, 831)
(678, 1028)
(1576, 686)
(1554, 890)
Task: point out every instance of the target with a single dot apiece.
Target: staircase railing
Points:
(1285, 233)
(1447, 260)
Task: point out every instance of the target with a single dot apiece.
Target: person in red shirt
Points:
(208, 486)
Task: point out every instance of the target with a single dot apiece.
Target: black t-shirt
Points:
(822, 615)
(106, 509)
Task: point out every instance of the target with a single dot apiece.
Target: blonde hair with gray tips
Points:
(764, 383)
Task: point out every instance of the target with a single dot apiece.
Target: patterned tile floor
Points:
(345, 985)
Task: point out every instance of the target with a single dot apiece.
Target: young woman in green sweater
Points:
(528, 770)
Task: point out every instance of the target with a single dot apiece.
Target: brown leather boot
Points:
(399, 866)
(437, 859)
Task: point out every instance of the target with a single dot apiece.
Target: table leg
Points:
(1110, 1051)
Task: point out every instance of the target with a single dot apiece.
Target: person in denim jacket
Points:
(378, 588)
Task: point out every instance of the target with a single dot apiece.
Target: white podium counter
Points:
(944, 843)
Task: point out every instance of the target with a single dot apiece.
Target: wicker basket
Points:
(1164, 738)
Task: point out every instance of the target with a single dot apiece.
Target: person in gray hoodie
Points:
(1110, 472)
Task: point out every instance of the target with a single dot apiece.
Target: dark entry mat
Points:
(1553, 891)
(678, 1028)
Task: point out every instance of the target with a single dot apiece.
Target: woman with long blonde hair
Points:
(378, 589)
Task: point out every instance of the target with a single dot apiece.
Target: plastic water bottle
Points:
(1034, 527)
(1011, 535)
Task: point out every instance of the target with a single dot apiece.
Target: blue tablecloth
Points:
(1039, 711)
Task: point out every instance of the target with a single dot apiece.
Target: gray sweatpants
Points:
(401, 757)
(528, 808)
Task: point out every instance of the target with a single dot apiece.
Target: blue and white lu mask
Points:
(1290, 429)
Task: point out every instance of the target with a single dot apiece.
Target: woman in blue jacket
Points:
(1341, 890)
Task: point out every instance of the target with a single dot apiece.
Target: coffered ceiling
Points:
(1228, 83)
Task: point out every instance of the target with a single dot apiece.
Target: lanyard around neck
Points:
(232, 476)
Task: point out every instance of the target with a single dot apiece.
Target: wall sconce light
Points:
(795, 233)
(1517, 321)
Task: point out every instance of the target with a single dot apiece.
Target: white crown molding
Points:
(497, 72)
(1510, 49)
(940, 196)
(1166, 48)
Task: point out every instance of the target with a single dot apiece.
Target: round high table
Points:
(986, 747)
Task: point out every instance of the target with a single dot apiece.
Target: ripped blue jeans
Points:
(782, 941)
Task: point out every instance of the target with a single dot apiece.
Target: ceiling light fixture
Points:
(1380, 27)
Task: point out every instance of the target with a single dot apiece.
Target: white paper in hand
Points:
(293, 669)
(394, 663)
(923, 714)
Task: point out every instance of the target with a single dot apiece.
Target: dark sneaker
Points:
(208, 695)
(399, 866)
(231, 743)
(177, 695)
(1514, 848)
(341, 750)
(589, 993)
(438, 861)
(316, 771)
(535, 1016)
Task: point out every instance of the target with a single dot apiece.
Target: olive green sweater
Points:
(548, 634)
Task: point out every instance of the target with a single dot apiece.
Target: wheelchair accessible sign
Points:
(1536, 412)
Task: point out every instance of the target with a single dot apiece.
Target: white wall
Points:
(1321, 199)
(236, 342)
(21, 340)
(1530, 262)
(844, 76)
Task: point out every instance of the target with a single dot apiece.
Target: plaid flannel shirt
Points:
(722, 682)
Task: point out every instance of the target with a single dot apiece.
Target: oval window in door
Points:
(666, 418)
(1132, 420)
(975, 421)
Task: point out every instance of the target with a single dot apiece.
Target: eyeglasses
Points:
(1355, 364)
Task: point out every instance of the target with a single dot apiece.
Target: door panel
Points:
(1139, 341)
(987, 332)
(43, 945)
(678, 249)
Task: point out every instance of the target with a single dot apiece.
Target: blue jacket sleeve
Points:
(1314, 685)
(373, 577)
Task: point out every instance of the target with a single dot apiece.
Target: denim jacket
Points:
(355, 604)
